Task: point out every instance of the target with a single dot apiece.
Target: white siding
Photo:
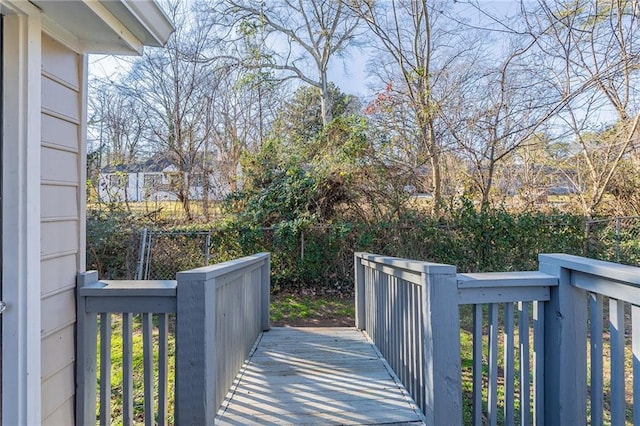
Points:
(62, 416)
(61, 215)
(59, 167)
(59, 390)
(58, 270)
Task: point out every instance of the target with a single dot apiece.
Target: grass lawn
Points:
(312, 311)
(160, 210)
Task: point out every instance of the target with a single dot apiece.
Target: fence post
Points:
(207, 250)
(360, 292)
(265, 292)
(143, 246)
(86, 351)
(565, 342)
(195, 349)
(618, 239)
(441, 345)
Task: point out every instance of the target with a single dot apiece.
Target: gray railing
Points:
(576, 319)
(411, 310)
(219, 312)
(406, 308)
(509, 300)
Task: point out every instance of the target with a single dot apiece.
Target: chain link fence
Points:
(164, 253)
(615, 239)
(321, 256)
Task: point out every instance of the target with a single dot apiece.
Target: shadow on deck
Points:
(317, 376)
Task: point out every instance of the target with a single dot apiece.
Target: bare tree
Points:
(417, 49)
(117, 124)
(303, 36)
(243, 114)
(175, 86)
(500, 113)
(592, 52)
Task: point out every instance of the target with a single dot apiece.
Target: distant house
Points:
(44, 49)
(156, 179)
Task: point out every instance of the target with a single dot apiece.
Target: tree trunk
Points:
(325, 102)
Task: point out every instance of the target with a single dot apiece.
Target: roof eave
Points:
(106, 26)
(144, 18)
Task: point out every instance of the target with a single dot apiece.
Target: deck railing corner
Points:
(565, 340)
(409, 310)
(219, 311)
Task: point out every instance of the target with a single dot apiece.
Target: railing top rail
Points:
(503, 287)
(409, 265)
(630, 275)
(149, 288)
(150, 296)
(212, 271)
(506, 279)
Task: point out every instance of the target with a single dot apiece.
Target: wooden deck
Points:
(317, 376)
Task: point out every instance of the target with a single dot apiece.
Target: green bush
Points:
(113, 243)
(310, 257)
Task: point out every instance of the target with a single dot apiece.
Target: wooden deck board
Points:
(316, 376)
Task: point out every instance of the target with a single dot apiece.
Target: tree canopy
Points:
(508, 107)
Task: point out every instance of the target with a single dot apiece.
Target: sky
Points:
(349, 73)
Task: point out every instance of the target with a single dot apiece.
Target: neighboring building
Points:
(44, 90)
(154, 180)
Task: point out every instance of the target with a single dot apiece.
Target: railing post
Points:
(565, 342)
(360, 292)
(86, 348)
(441, 346)
(195, 349)
(265, 292)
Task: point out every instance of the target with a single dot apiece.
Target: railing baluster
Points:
(538, 363)
(595, 331)
(477, 363)
(147, 351)
(385, 310)
(163, 368)
(360, 282)
(420, 354)
(509, 361)
(635, 330)
(127, 369)
(415, 339)
(525, 385)
(399, 349)
(387, 313)
(405, 327)
(616, 319)
(105, 369)
(393, 308)
(493, 365)
(372, 319)
(375, 305)
(368, 300)
(397, 323)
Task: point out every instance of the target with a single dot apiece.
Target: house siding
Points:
(61, 224)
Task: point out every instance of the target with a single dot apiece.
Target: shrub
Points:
(309, 257)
